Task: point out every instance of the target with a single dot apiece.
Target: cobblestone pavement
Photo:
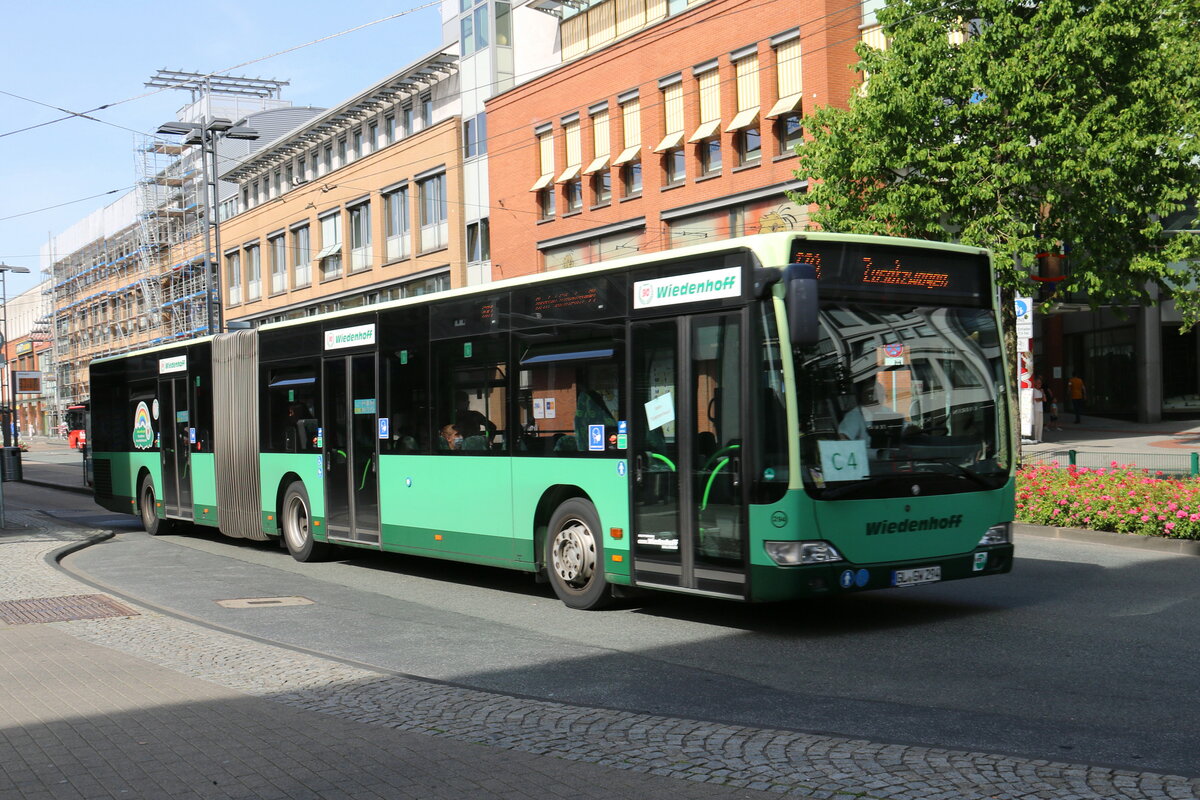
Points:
(554, 748)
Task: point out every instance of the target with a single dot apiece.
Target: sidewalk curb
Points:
(1157, 544)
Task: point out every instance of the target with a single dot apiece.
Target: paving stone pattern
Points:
(730, 756)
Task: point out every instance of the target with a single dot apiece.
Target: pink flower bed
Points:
(1122, 499)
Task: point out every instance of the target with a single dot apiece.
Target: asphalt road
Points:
(1085, 653)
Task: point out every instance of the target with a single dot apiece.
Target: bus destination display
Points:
(846, 268)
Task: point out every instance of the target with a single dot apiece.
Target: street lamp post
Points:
(8, 398)
(206, 135)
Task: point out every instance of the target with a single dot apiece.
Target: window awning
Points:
(599, 163)
(627, 155)
(706, 130)
(743, 119)
(329, 250)
(569, 174)
(542, 182)
(785, 105)
(670, 142)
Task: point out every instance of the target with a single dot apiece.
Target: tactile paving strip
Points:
(62, 609)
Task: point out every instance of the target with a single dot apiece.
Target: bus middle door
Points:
(175, 448)
(351, 424)
(688, 417)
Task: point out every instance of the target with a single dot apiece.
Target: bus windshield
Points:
(900, 399)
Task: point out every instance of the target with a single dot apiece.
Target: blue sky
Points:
(78, 56)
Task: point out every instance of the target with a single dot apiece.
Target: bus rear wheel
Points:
(574, 556)
(148, 504)
(297, 525)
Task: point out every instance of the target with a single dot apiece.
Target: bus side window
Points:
(569, 388)
(292, 423)
(471, 396)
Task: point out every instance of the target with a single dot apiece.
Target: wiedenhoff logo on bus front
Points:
(350, 337)
(694, 288)
(176, 364)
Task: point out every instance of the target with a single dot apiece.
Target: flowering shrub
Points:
(1122, 499)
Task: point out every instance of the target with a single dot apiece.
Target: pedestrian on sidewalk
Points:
(1050, 408)
(1078, 392)
(1039, 417)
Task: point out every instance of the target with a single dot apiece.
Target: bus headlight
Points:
(997, 534)
(789, 554)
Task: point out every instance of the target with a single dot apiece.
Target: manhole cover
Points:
(62, 609)
(265, 602)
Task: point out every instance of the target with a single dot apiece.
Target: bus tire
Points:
(574, 556)
(148, 505)
(296, 521)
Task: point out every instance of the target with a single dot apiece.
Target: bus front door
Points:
(351, 422)
(688, 418)
(174, 425)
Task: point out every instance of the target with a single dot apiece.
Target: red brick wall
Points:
(828, 30)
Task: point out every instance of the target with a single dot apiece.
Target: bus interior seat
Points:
(475, 443)
(306, 430)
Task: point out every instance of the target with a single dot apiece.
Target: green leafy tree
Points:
(1026, 127)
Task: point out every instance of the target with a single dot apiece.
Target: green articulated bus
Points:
(764, 418)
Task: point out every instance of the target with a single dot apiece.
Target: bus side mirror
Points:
(802, 305)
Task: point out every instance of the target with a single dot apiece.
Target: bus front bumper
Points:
(770, 583)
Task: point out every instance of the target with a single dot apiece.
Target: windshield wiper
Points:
(962, 471)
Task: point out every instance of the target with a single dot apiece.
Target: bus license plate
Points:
(915, 577)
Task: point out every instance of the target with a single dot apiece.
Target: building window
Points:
(572, 184)
(749, 146)
(357, 150)
(631, 179)
(360, 237)
(277, 184)
(478, 241)
(233, 277)
(301, 258)
(602, 187)
(426, 110)
(330, 255)
(573, 195)
(327, 160)
(544, 185)
(373, 137)
(546, 203)
(395, 205)
(342, 158)
(671, 145)
(630, 158)
(302, 168)
(434, 214)
(503, 24)
(601, 178)
(389, 128)
(744, 127)
(406, 114)
(789, 133)
(475, 136)
(710, 156)
(253, 274)
(278, 264)
(673, 167)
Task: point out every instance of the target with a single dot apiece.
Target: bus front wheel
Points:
(574, 556)
(297, 525)
(147, 501)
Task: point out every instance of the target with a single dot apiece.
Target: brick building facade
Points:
(638, 145)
